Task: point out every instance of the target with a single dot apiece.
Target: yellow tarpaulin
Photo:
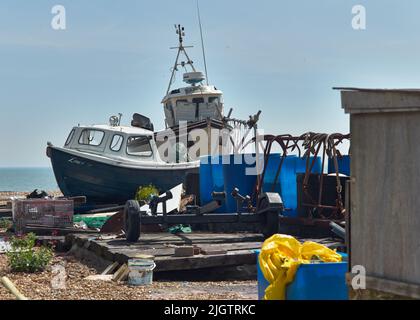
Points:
(280, 257)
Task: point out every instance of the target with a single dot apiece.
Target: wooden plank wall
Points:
(385, 201)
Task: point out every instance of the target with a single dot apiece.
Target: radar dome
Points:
(193, 77)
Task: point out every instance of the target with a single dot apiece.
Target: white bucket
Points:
(141, 271)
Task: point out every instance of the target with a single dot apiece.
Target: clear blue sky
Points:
(282, 57)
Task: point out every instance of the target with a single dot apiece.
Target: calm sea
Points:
(27, 179)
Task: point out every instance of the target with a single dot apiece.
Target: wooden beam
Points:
(120, 273)
(8, 284)
(110, 269)
(233, 258)
(408, 290)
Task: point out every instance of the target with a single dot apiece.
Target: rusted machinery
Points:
(320, 195)
(266, 215)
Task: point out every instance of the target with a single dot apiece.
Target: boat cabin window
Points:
(198, 100)
(91, 137)
(214, 99)
(116, 143)
(139, 146)
(181, 101)
(70, 137)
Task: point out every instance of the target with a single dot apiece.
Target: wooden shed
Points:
(384, 206)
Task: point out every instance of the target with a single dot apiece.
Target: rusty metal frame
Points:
(309, 144)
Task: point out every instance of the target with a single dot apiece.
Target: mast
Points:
(202, 43)
(181, 49)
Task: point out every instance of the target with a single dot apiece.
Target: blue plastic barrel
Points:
(206, 180)
(319, 281)
(261, 280)
(216, 176)
(314, 281)
(235, 176)
(270, 171)
(343, 165)
(218, 181)
(286, 182)
(301, 165)
(211, 179)
(217, 173)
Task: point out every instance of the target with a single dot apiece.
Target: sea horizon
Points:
(24, 167)
(27, 179)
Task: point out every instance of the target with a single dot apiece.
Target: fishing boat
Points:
(108, 163)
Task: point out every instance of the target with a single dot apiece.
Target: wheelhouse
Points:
(192, 104)
(114, 142)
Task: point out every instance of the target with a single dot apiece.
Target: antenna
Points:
(180, 31)
(202, 42)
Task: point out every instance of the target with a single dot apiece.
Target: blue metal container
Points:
(315, 281)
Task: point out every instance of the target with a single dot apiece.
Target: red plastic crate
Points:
(43, 212)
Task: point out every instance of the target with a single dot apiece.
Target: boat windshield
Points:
(91, 137)
(214, 100)
(116, 143)
(139, 146)
(70, 137)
